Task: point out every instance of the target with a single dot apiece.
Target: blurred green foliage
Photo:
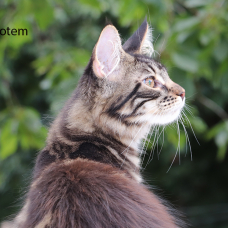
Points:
(39, 71)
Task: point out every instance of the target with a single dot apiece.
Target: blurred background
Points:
(39, 71)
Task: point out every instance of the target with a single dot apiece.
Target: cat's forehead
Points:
(154, 65)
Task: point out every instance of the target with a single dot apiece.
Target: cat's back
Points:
(83, 193)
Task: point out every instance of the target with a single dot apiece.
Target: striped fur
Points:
(88, 175)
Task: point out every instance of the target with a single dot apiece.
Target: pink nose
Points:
(182, 95)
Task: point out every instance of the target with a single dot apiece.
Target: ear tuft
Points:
(141, 42)
(107, 52)
(147, 47)
(108, 21)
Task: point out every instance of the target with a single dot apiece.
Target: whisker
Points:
(191, 96)
(186, 135)
(176, 150)
(158, 153)
(187, 107)
(152, 150)
(149, 142)
(162, 141)
(155, 142)
(191, 127)
(143, 125)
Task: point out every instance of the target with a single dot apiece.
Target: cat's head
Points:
(126, 85)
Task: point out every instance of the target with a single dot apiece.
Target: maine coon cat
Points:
(88, 174)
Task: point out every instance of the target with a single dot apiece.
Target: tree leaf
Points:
(8, 139)
(185, 62)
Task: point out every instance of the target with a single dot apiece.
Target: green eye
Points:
(149, 82)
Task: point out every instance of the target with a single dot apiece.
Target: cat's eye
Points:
(149, 82)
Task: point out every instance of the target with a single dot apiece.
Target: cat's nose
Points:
(181, 94)
(176, 89)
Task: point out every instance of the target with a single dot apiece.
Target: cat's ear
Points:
(107, 52)
(141, 41)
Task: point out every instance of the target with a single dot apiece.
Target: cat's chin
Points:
(165, 119)
(168, 117)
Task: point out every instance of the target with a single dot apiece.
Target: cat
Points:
(88, 174)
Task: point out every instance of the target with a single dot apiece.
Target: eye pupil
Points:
(149, 82)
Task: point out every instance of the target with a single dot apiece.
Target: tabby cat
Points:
(88, 174)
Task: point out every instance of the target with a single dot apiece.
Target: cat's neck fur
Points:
(72, 129)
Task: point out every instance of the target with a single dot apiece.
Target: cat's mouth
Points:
(166, 114)
(169, 106)
(174, 113)
(180, 105)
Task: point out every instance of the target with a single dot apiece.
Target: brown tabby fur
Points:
(88, 175)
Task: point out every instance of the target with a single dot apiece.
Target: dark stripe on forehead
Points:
(149, 61)
(152, 68)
